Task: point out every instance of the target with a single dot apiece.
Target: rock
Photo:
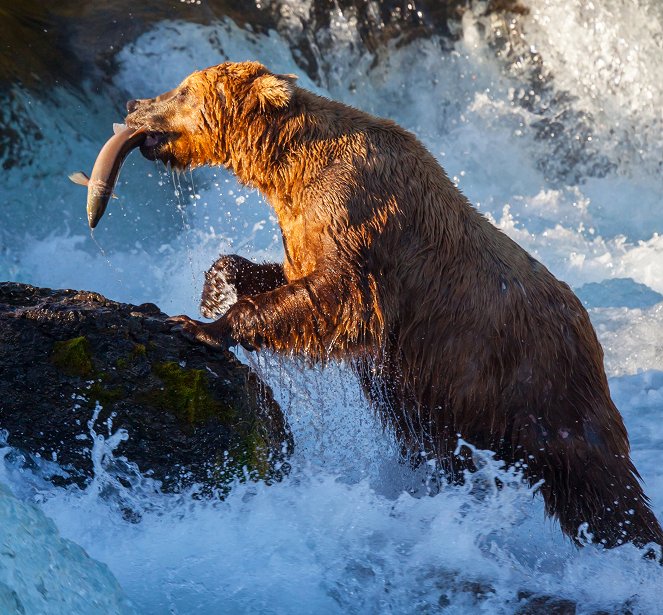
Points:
(192, 415)
(42, 572)
(545, 605)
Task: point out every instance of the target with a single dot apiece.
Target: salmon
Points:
(106, 170)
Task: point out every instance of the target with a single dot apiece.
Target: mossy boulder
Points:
(193, 415)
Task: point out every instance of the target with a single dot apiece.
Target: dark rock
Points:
(193, 415)
(375, 24)
(545, 605)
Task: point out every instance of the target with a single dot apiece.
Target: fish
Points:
(101, 182)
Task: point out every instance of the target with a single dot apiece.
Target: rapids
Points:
(553, 130)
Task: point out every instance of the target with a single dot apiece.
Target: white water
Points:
(40, 572)
(341, 534)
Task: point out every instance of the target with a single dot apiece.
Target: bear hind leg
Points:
(602, 492)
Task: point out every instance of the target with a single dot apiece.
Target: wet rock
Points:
(192, 415)
(308, 26)
(42, 572)
(570, 149)
(545, 605)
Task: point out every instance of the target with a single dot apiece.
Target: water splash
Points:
(344, 533)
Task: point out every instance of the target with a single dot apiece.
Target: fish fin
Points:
(113, 195)
(117, 128)
(79, 178)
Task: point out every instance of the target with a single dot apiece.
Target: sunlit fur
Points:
(454, 329)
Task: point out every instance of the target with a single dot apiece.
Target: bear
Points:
(454, 329)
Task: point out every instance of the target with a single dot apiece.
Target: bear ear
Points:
(273, 91)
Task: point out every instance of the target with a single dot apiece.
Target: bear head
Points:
(211, 115)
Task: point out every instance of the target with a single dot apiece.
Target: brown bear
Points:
(453, 328)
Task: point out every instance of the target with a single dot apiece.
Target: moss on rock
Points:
(73, 357)
(105, 395)
(256, 453)
(186, 393)
(139, 350)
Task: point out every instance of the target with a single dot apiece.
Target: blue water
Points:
(348, 531)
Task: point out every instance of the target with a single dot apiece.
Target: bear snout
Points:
(132, 105)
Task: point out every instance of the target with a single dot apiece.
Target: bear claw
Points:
(197, 331)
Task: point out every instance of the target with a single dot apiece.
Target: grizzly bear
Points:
(454, 330)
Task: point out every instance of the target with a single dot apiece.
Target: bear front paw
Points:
(219, 290)
(215, 334)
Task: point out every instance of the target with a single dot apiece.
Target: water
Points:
(555, 136)
(40, 572)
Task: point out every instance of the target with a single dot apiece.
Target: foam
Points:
(40, 572)
(345, 532)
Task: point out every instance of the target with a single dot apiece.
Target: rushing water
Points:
(555, 134)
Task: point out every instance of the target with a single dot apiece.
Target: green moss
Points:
(186, 393)
(256, 454)
(247, 459)
(139, 350)
(105, 395)
(73, 357)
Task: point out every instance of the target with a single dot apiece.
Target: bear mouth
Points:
(155, 145)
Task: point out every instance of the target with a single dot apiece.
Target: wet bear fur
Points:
(454, 329)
